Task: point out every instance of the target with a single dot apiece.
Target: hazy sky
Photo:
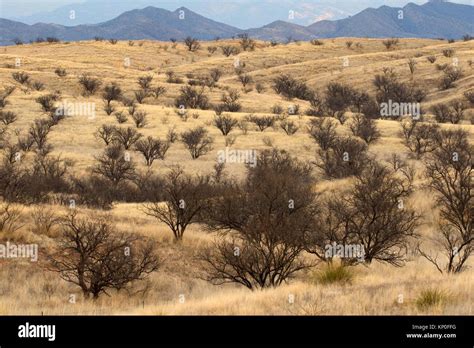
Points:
(240, 13)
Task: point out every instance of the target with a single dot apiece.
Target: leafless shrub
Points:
(158, 91)
(7, 91)
(230, 101)
(431, 59)
(211, 49)
(10, 218)
(52, 39)
(44, 220)
(290, 88)
(145, 82)
(197, 142)
(262, 122)
(172, 78)
(132, 109)
(399, 165)
(140, 96)
(323, 132)
(457, 108)
(111, 260)
(60, 72)
(121, 117)
(389, 87)
(230, 140)
(317, 42)
(246, 42)
(215, 74)
(380, 193)
(412, 65)
(37, 85)
(448, 52)
(25, 143)
(344, 157)
(90, 85)
(469, 95)
(338, 100)
(184, 198)
(245, 79)
(152, 149)
(192, 44)
(109, 108)
(277, 109)
(114, 166)
(7, 117)
(139, 118)
(39, 131)
(21, 77)
(454, 112)
(171, 136)
(390, 43)
(126, 136)
(451, 75)
(93, 191)
(56, 115)
(364, 128)
(192, 98)
(47, 102)
(419, 138)
(449, 173)
(111, 92)
(106, 133)
(225, 123)
(441, 112)
(229, 50)
(289, 127)
(360, 100)
(318, 107)
(266, 231)
(128, 102)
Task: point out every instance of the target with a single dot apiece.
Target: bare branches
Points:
(449, 172)
(184, 197)
(266, 219)
(92, 255)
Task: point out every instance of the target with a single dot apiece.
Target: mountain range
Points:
(434, 19)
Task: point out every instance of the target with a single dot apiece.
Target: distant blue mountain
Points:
(435, 19)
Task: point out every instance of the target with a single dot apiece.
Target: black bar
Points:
(135, 331)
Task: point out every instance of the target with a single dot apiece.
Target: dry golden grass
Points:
(28, 288)
(317, 65)
(177, 290)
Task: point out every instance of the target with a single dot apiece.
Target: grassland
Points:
(27, 288)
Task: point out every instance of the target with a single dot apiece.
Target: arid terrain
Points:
(178, 285)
